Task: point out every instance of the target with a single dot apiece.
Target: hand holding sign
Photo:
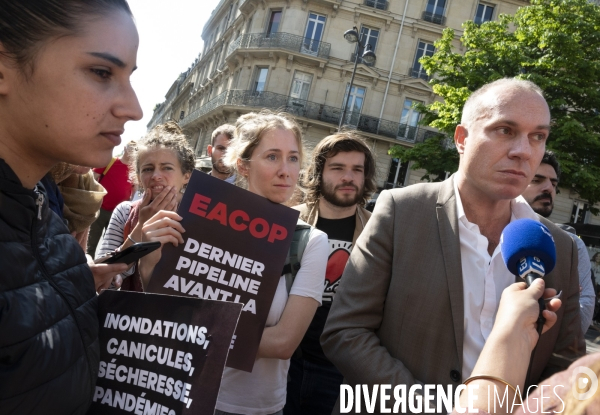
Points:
(164, 227)
(234, 250)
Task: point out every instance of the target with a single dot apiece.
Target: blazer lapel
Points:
(448, 227)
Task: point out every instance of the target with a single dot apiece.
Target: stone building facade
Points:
(291, 55)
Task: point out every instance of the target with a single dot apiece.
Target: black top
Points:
(340, 233)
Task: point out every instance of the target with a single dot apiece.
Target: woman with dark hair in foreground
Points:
(65, 95)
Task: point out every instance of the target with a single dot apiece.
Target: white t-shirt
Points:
(263, 391)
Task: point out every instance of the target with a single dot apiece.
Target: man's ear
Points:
(460, 138)
(209, 150)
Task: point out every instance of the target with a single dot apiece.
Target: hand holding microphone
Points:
(529, 252)
(518, 313)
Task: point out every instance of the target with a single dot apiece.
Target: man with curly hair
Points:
(338, 182)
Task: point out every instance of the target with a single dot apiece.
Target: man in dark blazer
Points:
(419, 294)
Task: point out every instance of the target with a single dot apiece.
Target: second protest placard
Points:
(161, 354)
(235, 246)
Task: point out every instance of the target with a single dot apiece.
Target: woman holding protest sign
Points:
(266, 153)
(162, 163)
(65, 95)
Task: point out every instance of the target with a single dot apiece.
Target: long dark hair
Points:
(26, 25)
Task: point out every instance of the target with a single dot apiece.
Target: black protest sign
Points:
(161, 354)
(235, 246)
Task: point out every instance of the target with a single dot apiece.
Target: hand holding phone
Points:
(129, 255)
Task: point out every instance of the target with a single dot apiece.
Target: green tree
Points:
(554, 43)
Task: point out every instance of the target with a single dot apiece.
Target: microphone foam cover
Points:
(526, 238)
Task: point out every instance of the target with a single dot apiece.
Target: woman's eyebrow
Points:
(110, 58)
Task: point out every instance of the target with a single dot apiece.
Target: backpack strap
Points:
(112, 161)
(299, 242)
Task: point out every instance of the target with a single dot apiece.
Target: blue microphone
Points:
(528, 251)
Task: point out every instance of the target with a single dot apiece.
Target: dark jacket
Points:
(49, 351)
(399, 312)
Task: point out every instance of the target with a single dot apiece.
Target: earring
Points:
(183, 188)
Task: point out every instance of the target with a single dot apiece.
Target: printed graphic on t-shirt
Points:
(339, 252)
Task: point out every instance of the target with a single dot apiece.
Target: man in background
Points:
(338, 182)
(219, 142)
(540, 195)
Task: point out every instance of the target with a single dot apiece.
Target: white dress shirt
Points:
(484, 279)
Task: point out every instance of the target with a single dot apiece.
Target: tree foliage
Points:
(554, 43)
(434, 155)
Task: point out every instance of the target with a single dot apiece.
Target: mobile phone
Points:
(129, 255)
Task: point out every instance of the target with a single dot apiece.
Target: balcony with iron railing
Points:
(360, 60)
(434, 18)
(313, 111)
(395, 130)
(377, 4)
(279, 40)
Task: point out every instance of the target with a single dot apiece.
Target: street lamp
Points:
(368, 57)
(351, 35)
